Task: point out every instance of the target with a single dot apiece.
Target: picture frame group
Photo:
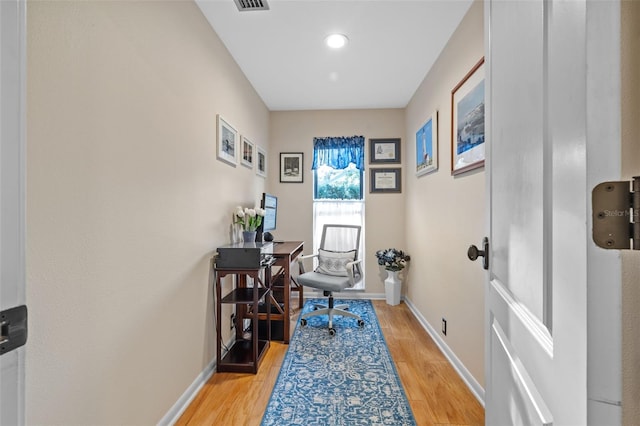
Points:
(232, 148)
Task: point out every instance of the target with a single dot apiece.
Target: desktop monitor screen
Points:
(270, 206)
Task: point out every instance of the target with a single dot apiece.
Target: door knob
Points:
(473, 253)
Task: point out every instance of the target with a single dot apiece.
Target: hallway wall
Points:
(445, 214)
(126, 203)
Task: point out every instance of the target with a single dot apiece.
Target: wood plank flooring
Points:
(436, 393)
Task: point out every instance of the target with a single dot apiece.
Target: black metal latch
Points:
(474, 252)
(616, 211)
(13, 324)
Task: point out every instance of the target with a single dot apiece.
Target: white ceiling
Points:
(392, 45)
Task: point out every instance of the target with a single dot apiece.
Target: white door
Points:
(12, 199)
(552, 297)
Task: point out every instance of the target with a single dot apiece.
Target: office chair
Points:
(338, 269)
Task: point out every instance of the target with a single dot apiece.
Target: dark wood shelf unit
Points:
(245, 354)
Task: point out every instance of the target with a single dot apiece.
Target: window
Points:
(338, 184)
(338, 170)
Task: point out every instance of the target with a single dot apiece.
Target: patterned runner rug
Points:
(342, 380)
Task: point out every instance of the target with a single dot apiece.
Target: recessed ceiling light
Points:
(336, 41)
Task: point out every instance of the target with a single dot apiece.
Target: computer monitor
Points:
(270, 205)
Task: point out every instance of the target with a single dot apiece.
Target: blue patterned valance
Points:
(338, 152)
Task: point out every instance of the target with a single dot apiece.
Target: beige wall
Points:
(445, 214)
(294, 132)
(126, 203)
(630, 61)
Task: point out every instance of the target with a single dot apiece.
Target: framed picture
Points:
(248, 153)
(386, 180)
(291, 167)
(467, 121)
(261, 162)
(427, 146)
(227, 142)
(384, 151)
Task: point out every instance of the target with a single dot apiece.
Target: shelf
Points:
(239, 358)
(243, 295)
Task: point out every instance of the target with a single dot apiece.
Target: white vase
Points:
(392, 287)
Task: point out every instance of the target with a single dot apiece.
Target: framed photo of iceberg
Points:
(467, 121)
(427, 146)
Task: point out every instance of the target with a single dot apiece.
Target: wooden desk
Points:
(285, 254)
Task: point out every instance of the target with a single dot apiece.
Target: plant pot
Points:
(249, 236)
(392, 287)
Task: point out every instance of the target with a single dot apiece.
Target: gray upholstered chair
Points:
(338, 268)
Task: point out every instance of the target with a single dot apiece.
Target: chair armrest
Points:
(351, 268)
(301, 260)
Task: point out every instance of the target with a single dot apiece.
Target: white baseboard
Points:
(465, 375)
(189, 395)
(185, 399)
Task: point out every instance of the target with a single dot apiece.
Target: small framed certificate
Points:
(386, 180)
(383, 151)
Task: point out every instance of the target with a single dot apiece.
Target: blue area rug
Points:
(346, 379)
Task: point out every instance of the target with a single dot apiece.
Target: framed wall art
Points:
(385, 180)
(467, 121)
(227, 142)
(427, 146)
(248, 153)
(384, 151)
(261, 161)
(291, 167)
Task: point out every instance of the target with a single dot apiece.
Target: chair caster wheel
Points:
(332, 331)
(303, 322)
(361, 323)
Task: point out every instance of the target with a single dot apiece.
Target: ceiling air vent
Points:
(246, 5)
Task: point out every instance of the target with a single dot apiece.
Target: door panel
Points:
(524, 404)
(518, 125)
(541, 56)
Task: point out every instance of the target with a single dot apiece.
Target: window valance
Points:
(338, 152)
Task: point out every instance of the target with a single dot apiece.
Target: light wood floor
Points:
(436, 393)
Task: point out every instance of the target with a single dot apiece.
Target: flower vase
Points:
(249, 236)
(236, 233)
(392, 287)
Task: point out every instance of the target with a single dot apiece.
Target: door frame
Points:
(12, 196)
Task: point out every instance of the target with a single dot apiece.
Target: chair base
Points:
(331, 311)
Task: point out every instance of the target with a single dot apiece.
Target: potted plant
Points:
(394, 261)
(249, 220)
